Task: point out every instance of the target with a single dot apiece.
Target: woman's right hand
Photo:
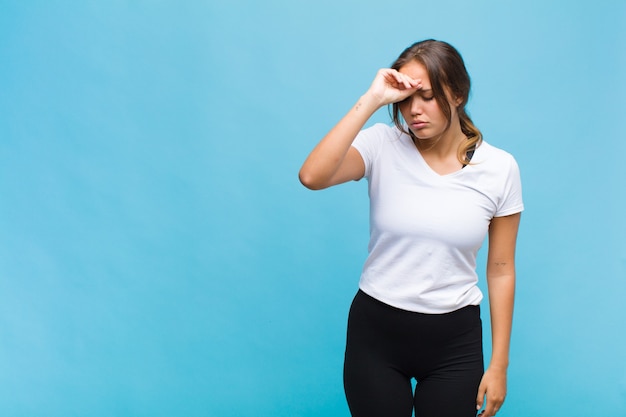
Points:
(390, 86)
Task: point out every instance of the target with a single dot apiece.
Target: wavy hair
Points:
(446, 70)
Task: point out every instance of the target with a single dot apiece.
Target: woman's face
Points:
(421, 112)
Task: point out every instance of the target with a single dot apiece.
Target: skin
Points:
(334, 161)
(436, 141)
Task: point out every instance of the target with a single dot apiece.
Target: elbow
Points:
(310, 181)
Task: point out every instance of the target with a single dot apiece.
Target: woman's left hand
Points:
(493, 385)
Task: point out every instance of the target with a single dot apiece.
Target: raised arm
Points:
(333, 161)
(501, 287)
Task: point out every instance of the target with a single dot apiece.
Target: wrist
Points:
(371, 102)
(499, 366)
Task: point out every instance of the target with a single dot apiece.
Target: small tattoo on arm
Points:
(500, 263)
(357, 107)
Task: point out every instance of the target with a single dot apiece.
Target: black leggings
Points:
(387, 347)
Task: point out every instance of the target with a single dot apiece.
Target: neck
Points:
(443, 145)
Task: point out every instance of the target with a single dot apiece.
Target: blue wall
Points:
(158, 256)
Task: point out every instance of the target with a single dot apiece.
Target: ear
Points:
(454, 99)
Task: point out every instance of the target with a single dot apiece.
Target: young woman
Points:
(436, 190)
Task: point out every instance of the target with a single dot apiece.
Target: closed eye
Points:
(427, 95)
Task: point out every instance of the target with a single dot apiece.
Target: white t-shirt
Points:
(426, 228)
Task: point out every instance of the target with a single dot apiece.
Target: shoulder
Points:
(494, 157)
(381, 131)
(495, 174)
(375, 137)
(380, 142)
(492, 151)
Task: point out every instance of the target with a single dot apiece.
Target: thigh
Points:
(374, 385)
(375, 390)
(451, 389)
(446, 398)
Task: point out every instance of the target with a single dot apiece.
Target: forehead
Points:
(415, 70)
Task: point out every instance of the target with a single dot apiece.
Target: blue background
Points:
(158, 256)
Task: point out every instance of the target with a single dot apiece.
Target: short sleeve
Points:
(511, 201)
(368, 142)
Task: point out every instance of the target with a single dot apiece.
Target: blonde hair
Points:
(446, 70)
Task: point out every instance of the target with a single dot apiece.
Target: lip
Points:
(418, 124)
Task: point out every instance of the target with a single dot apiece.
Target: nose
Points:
(415, 106)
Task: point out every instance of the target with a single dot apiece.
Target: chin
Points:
(422, 137)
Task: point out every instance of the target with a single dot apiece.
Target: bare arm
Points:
(501, 286)
(333, 161)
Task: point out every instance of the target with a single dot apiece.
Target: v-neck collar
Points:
(419, 158)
